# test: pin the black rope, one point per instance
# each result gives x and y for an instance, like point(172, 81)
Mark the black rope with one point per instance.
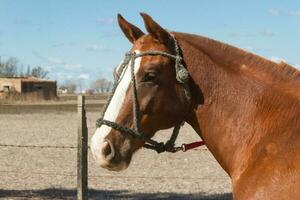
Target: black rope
point(136, 106)
point(182, 77)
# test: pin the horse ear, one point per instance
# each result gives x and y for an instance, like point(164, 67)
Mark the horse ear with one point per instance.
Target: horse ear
point(131, 32)
point(156, 30)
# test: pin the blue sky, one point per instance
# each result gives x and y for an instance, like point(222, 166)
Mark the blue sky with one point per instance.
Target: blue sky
point(81, 39)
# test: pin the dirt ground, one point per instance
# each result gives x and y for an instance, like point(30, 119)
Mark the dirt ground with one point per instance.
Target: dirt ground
point(43, 173)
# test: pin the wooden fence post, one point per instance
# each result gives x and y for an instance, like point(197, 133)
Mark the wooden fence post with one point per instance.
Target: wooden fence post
point(82, 154)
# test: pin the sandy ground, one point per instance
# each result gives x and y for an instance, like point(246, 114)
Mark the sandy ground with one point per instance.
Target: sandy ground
point(37, 173)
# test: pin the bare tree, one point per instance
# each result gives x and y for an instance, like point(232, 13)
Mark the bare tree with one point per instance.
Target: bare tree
point(9, 68)
point(70, 87)
point(80, 84)
point(21, 71)
point(109, 86)
point(39, 72)
point(28, 71)
point(101, 85)
point(96, 85)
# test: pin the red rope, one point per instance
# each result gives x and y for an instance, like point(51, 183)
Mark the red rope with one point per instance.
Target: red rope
point(186, 147)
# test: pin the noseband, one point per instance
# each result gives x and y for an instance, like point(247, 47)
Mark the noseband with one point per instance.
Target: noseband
point(182, 77)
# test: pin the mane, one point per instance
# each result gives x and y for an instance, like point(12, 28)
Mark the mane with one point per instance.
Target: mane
point(234, 57)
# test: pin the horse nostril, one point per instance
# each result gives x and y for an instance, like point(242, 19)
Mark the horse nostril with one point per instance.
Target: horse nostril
point(107, 150)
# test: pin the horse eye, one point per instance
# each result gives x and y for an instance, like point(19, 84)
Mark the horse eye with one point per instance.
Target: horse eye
point(150, 77)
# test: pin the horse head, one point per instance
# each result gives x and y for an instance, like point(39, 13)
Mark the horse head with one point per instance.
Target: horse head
point(161, 98)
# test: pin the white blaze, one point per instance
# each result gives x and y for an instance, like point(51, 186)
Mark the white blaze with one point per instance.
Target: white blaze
point(113, 108)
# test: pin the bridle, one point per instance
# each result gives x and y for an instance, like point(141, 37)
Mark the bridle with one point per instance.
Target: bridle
point(182, 77)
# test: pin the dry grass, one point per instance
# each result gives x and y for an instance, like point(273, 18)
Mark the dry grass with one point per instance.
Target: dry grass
point(32, 97)
point(14, 98)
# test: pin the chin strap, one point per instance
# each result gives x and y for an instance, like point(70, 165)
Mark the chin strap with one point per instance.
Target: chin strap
point(169, 146)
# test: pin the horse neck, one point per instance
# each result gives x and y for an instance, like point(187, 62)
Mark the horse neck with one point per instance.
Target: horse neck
point(222, 104)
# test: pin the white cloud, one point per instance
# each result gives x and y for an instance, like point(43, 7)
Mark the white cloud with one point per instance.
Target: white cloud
point(67, 66)
point(276, 12)
point(94, 47)
point(48, 68)
point(62, 44)
point(295, 13)
point(261, 33)
point(83, 76)
point(297, 66)
point(107, 21)
point(273, 12)
point(20, 20)
point(58, 45)
point(277, 59)
point(239, 35)
point(98, 47)
point(69, 77)
point(55, 61)
point(109, 34)
point(72, 66)
point(267, 33)
point(62, 76)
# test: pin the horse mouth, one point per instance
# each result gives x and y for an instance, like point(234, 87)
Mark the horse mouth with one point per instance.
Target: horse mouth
point(109, 157)
point(113, 167)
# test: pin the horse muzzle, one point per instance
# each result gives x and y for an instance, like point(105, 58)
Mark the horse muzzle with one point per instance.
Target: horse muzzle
point(107, 156)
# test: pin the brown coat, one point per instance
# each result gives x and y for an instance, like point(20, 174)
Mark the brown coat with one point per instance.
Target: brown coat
point(245, 108)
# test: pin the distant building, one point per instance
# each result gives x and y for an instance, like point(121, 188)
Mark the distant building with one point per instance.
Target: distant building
point(29, 86)
point(62, 91)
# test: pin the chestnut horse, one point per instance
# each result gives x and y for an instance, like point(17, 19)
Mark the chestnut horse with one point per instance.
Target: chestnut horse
point(245, 108)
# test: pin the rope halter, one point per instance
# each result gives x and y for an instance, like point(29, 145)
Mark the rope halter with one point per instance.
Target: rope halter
point(182, 76)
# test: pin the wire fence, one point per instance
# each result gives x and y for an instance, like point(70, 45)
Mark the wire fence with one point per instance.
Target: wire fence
point(82, 148)
point(68, 174)
point(82, 154)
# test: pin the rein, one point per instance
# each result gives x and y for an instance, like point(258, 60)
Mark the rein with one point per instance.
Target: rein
point(182, 76)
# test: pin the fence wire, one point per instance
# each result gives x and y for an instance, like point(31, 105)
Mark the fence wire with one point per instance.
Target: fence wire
point(68, 174)
point(63, 147)
point(39, 146)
